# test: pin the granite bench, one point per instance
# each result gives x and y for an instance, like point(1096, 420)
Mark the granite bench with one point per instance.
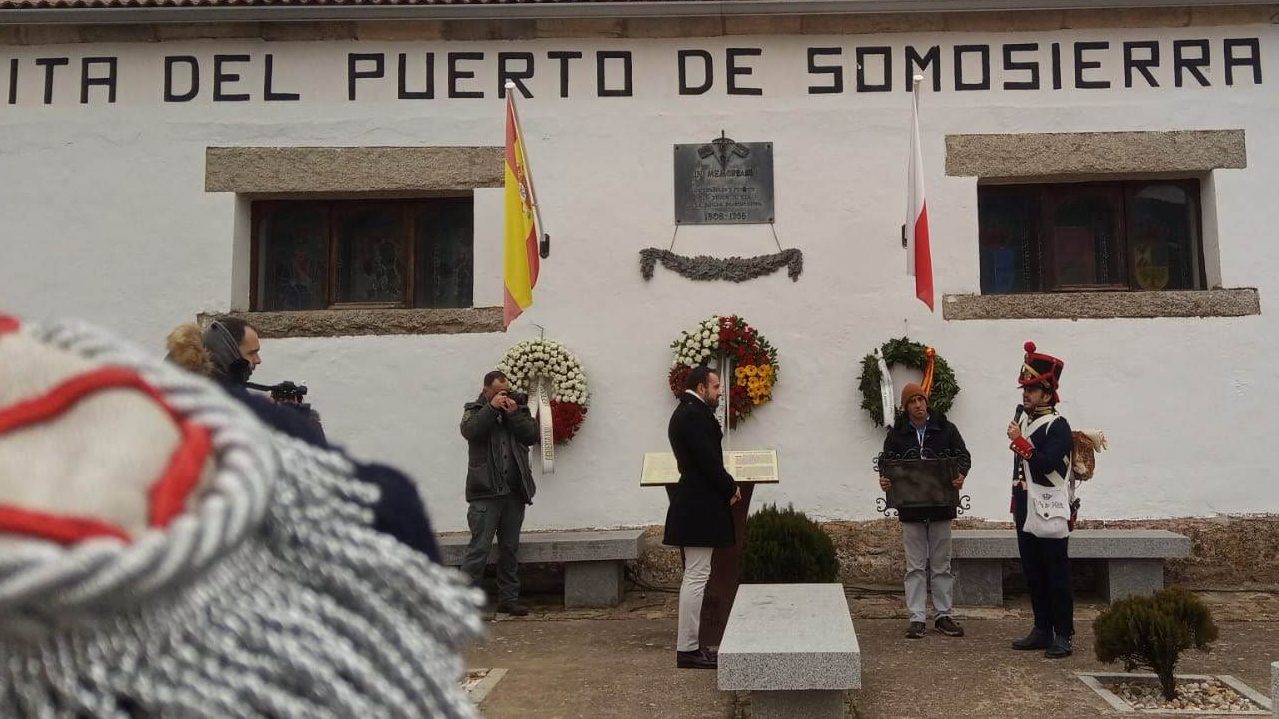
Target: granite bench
point(594, 560)
point(793, 647)
point(1134, 560)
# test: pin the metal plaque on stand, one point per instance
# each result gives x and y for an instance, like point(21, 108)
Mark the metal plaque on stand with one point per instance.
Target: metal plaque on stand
point(917, 482)
point(724, 182)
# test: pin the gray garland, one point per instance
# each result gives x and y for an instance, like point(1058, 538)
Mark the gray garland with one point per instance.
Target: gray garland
point(734, 269)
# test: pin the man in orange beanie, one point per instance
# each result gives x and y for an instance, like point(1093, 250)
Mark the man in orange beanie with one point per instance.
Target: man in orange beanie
point(920, 433)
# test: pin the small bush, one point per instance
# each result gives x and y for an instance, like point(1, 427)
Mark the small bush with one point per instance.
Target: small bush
point(1152, 632)
point(785, 546)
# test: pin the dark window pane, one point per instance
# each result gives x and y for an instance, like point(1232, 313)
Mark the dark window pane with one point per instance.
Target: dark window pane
point(370, 254)
point(444, 271)
point(293, 256)
point(1163, 236)
point(1007, 218)
point(1082, 241)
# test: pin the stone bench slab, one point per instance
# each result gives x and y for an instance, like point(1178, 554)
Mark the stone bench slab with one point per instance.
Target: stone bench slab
point(790, 637)
point(556, 547)
point(594, 561)
point(1084, 544)
point(1134, 560)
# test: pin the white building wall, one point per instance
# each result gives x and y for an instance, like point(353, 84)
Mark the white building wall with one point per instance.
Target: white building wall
point(105, 217)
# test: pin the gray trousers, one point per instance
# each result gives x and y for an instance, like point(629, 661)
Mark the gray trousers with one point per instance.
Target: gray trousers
point(499, 517)
point(928, 562)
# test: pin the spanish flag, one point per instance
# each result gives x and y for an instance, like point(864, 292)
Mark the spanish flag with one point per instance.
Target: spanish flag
point(523, 228)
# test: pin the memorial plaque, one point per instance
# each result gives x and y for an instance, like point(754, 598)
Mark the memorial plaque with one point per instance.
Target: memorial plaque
point(724, 182)
point(920, 483)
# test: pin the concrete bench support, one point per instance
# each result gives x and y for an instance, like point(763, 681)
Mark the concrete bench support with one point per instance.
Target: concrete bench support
point(594, 561)
point(593, 584)
point(982, 582)
point(793, 647)
point(1133, 560)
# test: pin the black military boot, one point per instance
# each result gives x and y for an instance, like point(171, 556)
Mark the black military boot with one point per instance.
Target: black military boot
point(1060, 648)
point(1037, 639)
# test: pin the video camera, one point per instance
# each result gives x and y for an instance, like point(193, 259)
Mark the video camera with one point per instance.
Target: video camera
point(283, 393)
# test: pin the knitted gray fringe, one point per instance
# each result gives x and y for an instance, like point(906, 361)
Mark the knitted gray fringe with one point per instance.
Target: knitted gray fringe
point(313, 615)
point(319, 616)
point(733, 269)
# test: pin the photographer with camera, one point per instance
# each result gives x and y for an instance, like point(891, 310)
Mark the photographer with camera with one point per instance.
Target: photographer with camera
point(499, 429)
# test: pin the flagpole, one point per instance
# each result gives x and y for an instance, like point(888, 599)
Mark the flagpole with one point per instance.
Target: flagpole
point(528, 175)
point(914, 138)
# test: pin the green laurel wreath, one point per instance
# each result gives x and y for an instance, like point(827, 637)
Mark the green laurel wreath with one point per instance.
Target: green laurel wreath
point(902, 351)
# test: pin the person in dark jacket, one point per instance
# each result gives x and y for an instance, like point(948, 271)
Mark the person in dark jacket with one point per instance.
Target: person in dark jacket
point(1041, 439)
point(926, 531)
point(499, 484)
point(399, 511)
point(699, 518)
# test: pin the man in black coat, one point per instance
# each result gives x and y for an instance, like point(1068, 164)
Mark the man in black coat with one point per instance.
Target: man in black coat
point(699, 518)
point(926, 530)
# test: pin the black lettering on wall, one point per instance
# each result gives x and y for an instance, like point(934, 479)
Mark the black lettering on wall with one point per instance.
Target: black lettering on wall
point(1141, 64)
point(49, 64)
point(1011, 65)
point(983, 82)
point(456, 73)
point(601, 73)
point(734, 70)
point(1252, 60)
point(1081, 65)
point(354, 73)
point(221, 77)
point(87, 81)
point(170, 63)
point(1180, 61)
point(1056, 64)
point(564, 56)
point(708, 72)
point(932, 59)
point(403, 91)
point(887, 81)
point(268, 84)
point(13, 81)
point(517, 77)
point(835, 71)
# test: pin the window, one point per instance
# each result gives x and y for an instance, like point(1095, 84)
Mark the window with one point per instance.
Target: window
point(1142, 235)
point(311, 255)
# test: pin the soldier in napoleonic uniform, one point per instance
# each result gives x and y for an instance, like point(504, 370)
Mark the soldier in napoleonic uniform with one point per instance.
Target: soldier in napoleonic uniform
point(1042, 503)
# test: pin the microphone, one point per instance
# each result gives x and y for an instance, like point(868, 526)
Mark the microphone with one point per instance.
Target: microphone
point(1017, 413)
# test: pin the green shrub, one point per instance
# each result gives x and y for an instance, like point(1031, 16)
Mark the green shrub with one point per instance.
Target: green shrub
point(1152, 632)
point(786, 546)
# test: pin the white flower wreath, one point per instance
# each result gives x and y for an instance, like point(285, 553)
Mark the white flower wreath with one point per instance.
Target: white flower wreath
point(546, 358)
point(528, 360)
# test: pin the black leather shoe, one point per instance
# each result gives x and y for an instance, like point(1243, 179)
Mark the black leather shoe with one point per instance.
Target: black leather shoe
point(1060, 648)
point(916, 630)
point(515, 609)
point(949, 627)
point(699, 659)
point(1037, 639)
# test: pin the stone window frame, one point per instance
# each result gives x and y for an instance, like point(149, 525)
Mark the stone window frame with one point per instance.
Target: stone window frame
point(1090, 156)
point(338, 173)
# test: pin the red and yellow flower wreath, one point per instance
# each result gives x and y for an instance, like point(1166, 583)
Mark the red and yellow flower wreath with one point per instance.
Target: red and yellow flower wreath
point(752, 358)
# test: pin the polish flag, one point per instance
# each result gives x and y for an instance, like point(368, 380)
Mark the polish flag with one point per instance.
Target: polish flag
point(919, 259)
